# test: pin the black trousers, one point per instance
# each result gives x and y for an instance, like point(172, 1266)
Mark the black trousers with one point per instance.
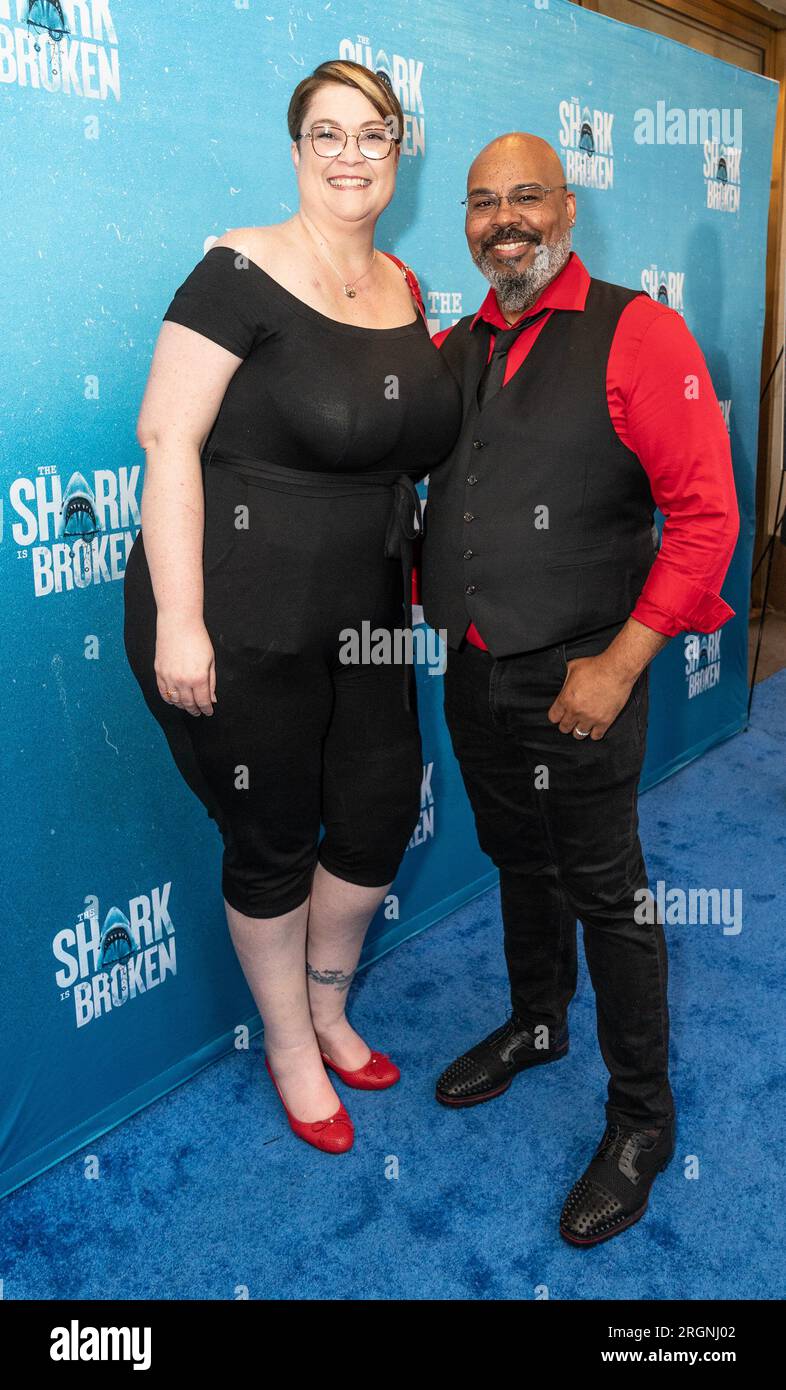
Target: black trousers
point(558, 817)
point(298, 740)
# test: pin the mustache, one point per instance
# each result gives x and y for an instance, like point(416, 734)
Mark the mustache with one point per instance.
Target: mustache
point(503, 237)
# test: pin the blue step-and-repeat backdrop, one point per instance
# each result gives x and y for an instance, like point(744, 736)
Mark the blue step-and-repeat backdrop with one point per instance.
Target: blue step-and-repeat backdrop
point(129, 140)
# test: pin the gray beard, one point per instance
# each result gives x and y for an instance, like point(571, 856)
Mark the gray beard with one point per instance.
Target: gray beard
point(517, 289)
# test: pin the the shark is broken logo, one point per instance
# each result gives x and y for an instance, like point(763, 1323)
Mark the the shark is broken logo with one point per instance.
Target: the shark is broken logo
point(702, 661)
point(588, 145)
point(66, 46)
point(721, 170)
point(73, 532)
point(424, 830)
point(101, 968)
point(667, 286)
point(404, 76)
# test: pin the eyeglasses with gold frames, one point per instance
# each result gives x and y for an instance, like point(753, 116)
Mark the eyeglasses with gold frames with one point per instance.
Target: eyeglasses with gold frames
point(374, 142)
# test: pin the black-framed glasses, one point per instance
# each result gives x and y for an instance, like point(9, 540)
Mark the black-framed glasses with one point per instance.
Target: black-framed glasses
point(374, 142)
point(527, 195)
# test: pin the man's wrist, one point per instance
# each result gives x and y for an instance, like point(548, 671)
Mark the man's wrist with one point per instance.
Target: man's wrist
point(632, 650)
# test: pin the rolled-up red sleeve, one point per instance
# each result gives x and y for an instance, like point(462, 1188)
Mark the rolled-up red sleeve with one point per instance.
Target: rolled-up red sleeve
point(663, 406)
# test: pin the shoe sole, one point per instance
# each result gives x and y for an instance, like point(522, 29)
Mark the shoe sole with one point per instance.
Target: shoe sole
point(500, 1091)
point(623, 1226)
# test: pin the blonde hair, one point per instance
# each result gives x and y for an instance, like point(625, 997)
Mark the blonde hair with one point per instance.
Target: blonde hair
point(377, 89)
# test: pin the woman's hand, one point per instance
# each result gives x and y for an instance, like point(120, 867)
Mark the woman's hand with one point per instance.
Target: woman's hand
point(185, 664)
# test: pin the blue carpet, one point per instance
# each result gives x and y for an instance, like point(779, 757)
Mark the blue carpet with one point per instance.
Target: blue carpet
point(206, 1193)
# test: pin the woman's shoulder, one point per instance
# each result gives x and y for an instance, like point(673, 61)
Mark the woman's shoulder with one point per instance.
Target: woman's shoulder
point(261, 245)
point(223, 297)
point(411, 279)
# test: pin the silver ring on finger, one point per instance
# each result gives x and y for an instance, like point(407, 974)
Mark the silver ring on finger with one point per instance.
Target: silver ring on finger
point(580, 732)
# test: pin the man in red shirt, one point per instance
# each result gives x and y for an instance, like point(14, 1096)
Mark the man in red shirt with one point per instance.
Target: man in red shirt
point(586, 404)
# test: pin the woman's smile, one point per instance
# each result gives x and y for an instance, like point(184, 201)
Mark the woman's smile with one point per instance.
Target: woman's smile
point(348, 181)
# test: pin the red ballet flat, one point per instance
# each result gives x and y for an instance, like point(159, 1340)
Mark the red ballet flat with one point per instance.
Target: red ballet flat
point(377, 1074)
point(334, 1135)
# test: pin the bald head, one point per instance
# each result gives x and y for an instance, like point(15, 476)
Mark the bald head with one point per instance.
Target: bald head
point(536, 160)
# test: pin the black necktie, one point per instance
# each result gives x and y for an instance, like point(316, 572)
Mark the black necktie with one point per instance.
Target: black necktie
point(494, 372)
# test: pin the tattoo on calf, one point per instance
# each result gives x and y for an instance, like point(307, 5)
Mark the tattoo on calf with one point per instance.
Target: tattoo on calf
point(339, 978)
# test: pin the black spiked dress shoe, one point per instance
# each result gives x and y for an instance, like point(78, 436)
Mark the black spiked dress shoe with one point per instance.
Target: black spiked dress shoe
point(614, 1190)
point(489, 1067)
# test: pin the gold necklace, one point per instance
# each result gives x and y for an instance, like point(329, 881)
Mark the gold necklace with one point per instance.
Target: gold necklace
point(349, 288)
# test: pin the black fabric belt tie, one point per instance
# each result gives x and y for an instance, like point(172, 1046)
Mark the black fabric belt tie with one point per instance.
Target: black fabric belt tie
point(405, 524)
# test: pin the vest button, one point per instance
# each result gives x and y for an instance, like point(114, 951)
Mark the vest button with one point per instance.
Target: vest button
point(469, 516)
point(468, 554)
point(472, 478)
point(470, 589)
point(478, 443)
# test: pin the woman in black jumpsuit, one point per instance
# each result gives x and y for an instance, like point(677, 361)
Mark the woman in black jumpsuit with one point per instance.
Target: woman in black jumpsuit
point(308, 478)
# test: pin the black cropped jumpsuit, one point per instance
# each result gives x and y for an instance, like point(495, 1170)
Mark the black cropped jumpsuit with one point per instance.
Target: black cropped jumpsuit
point(297, 552)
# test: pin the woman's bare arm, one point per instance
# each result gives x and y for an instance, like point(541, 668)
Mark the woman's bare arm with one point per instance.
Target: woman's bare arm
point(189, 375)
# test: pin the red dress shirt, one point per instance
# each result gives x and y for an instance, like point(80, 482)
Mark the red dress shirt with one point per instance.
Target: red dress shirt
point(663, 406)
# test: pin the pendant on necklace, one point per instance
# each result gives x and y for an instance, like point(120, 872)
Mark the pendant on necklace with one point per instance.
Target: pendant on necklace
point(350, 291)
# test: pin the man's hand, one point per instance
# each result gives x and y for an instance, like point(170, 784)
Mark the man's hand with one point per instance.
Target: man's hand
point(596, 688)
point(591, 698)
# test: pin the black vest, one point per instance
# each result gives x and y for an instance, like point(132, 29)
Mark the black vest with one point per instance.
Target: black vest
point(539, 524)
